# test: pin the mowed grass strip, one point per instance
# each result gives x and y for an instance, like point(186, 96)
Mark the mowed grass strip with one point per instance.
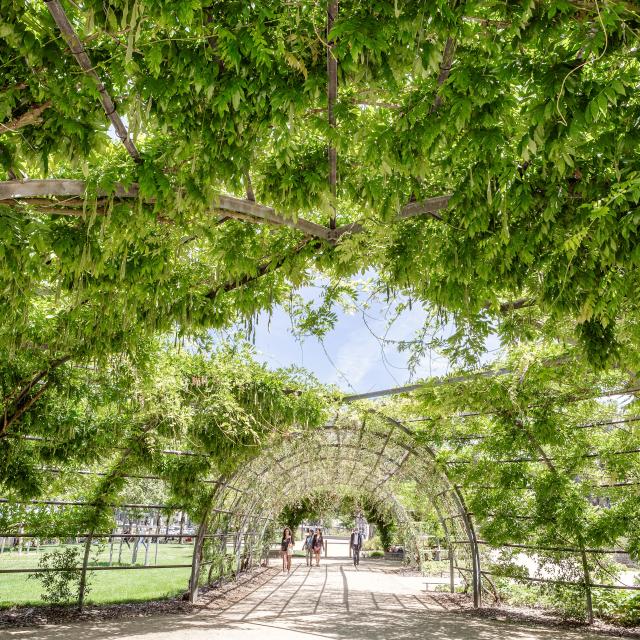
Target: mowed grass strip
point(107, 587)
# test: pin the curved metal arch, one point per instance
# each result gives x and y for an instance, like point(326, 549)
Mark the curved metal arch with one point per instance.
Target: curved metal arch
point(401, 514)
point(316, 458)
point(433, 466)
point(434, 469)
point(409, 475)
point(271, 508)
point(288, 493)
point(372, 452)
point(307, 460)
point(310, 457)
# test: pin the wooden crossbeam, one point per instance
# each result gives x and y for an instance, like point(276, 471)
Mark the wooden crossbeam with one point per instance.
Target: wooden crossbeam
point(77, 49)
point(33, 191)
point(61, 188)
point(429, 206)
point(32, 116)
point(231, 206)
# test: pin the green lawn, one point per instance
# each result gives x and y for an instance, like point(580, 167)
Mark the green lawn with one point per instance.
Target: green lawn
point(106, 586)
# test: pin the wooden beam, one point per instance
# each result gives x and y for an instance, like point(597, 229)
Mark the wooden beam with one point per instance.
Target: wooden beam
point(231, 205)
point(32, 116)
point(60, 188)
point(429, 206)
point(28, 190)
point(77, 49)
point(332, 94)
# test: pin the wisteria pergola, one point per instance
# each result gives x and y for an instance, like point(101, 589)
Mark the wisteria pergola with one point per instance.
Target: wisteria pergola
point(371, 450)
point(180, 166)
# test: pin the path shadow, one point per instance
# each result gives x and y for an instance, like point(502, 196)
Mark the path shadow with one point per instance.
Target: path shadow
point(308, 603)
point(340, 625)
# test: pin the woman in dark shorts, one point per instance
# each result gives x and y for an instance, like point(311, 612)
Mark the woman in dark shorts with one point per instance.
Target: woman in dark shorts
point(286, 546)
point(317, 545)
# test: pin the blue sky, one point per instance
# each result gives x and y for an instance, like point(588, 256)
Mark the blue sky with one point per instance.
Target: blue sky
point(350, 356)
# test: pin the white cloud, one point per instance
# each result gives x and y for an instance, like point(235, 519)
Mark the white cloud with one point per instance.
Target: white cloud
point(356, 357)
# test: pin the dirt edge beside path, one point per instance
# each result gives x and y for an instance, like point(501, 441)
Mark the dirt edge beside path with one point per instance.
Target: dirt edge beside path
point(229, 591)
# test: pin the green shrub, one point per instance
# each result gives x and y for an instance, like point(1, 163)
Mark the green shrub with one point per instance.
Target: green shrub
point(434, 567)
point(628, 612)
point(372, 543)
point(618, 606)
point(376, 554)
point(59, 576)
point(519, 594)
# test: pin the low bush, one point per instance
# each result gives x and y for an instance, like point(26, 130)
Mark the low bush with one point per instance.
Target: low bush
point(618, 606)
point(372, 543)
point(59, 576)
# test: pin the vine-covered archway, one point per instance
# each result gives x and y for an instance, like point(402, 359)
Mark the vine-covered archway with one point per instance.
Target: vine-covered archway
point(174, 168)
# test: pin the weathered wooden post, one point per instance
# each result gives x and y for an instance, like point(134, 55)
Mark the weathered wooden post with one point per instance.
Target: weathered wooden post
point(146, 542)
point(238, 545)
point(181, 527)
point(452, 579)
point(120, 547)
point(197, 559)
point(111, 545)
point(587, 583)
point(82, 587)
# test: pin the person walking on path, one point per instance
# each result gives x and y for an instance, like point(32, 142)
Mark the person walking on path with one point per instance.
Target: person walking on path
point(286, 546)
point(317, 545)
point(355, 543)
point(307, 547)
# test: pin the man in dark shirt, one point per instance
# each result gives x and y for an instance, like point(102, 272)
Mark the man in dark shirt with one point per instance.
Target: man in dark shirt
point(355, 542)
point(308, 547)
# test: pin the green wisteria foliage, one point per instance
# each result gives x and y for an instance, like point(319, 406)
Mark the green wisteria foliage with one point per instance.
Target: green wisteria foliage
point(117, 420)
point(547, 458)
point(526, 113)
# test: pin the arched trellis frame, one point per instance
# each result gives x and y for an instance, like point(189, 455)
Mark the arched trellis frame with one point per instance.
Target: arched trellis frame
point(365, 448)
point(284, 472)
point(457, 40)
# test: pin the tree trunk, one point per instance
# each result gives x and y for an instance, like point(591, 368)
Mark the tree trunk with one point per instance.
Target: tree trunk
point(83, 575)
point(181, 526)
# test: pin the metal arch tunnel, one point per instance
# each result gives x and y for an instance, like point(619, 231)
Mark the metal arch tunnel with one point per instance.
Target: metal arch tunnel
point(366, 454)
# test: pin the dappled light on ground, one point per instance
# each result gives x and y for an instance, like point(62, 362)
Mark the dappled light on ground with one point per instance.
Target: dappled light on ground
point(331, 601)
